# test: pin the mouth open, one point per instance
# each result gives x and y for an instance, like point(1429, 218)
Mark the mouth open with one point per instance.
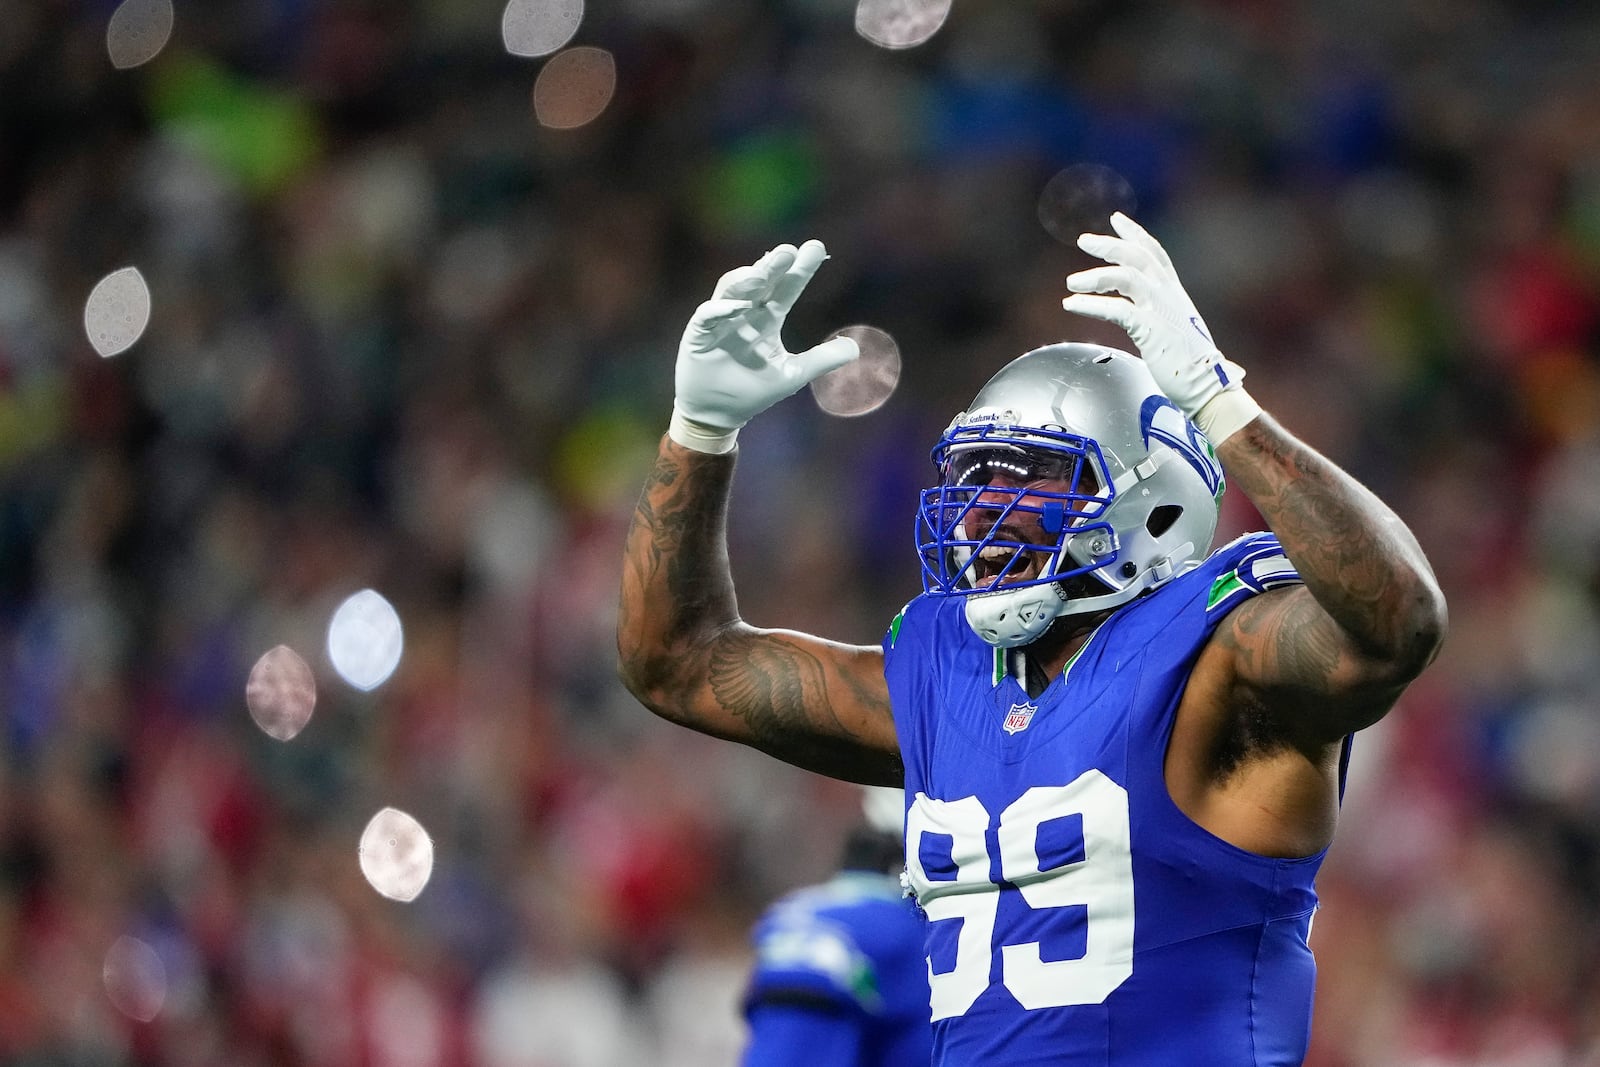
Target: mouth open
point(999, 565)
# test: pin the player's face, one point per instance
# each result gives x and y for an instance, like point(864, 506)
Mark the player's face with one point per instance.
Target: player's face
point(1010, 505)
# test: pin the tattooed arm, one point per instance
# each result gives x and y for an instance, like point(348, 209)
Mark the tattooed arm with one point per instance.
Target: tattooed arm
point(1315, 662)
point(1330, 657)
point(684, 651)
point(688, 657)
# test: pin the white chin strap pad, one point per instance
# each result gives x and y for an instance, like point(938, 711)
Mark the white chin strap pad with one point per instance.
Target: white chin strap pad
point(1010, 618)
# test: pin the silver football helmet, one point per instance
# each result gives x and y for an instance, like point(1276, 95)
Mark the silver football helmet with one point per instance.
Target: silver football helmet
point(1070, 485)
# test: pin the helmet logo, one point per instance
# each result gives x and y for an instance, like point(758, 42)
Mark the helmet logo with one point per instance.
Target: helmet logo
point(1018, 718)
point(1182, 436)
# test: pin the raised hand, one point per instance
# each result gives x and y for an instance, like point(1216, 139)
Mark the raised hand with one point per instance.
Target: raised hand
point(1162, 321)
point(732, 363)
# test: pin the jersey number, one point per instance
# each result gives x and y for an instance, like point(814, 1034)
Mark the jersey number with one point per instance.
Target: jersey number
point(1101, 882)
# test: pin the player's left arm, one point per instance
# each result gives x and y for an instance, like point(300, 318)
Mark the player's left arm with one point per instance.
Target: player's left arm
point(1333, 654)
point(1328, 657)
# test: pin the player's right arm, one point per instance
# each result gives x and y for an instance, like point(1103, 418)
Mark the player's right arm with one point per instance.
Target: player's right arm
point(683, 649)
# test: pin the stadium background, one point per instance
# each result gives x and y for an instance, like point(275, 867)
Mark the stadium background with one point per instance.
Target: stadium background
point(407, 336)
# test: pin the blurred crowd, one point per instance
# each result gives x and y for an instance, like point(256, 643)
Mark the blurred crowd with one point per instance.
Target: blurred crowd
point(405, 337)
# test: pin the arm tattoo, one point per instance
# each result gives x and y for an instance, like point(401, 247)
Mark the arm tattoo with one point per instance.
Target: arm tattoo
point(780, 691)
point(765, 685)
point(687, 655)
point(1360, 563)
point(1279, 636)
point(676, 584)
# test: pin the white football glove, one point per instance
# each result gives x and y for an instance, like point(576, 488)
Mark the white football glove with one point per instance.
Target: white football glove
point(732, 364)
point(1162, 321)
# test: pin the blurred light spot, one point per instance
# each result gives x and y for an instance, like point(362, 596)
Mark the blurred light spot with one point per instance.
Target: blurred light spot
point(863, 385)
point(117, 311)
point(135, 980)
point(574, 88)
point(396, 854)
point(539, 27)
point(138, 31)
point(281, 693)
point(1081, 199)
point(900, 23)
point(365, 640)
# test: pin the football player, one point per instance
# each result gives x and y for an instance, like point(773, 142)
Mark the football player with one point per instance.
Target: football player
point(1122, 752)
point(839, 979)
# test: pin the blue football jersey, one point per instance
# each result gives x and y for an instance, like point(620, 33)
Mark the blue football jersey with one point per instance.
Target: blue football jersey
point(1075, 915)
point(851, 946)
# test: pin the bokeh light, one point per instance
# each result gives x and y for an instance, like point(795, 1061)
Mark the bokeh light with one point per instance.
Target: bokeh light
point(365, 640)
point(135, 979)
point(866, 383)
point(574, 88)
point(1081, 199)
point(117, 311)
point(539, 27)
point(281, 693)
point(396, 855)
point(138, 31)
point(900, 23)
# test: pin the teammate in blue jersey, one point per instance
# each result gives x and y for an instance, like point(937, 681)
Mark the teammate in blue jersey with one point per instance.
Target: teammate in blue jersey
point(839, 979)
point(1122, 752)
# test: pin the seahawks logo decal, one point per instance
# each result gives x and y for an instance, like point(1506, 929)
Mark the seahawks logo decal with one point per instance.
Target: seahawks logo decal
point(1183, 437)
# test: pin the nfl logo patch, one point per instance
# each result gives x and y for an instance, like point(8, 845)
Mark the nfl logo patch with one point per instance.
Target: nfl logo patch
point(1018, 718)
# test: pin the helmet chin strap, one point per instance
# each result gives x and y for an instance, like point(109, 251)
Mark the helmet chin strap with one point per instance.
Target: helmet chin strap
point(1011, 618)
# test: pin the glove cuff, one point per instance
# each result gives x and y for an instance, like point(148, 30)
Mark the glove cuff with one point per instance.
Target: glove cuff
point(1226, 414)
point(699, 437)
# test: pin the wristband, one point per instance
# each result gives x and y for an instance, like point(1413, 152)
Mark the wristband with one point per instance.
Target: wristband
point(1226, 414)
point(698, 437)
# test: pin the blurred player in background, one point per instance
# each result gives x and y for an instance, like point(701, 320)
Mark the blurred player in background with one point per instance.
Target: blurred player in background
point(1123, 754)
point(839, 979)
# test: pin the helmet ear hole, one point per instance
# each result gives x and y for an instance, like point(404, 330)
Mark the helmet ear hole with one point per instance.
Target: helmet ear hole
point(1161, 519)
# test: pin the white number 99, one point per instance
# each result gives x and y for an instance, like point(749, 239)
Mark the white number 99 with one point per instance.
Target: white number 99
point(1101, 882)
